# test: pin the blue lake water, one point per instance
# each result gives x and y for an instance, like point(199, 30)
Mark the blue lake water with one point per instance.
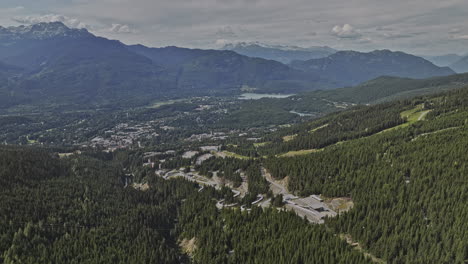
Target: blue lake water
point(256, 96)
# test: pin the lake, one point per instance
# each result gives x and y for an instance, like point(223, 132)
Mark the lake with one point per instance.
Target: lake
point(256, 96)
point(300, 114)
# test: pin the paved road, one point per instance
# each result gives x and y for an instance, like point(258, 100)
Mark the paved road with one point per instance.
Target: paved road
point(277, 188)
point(311, 215)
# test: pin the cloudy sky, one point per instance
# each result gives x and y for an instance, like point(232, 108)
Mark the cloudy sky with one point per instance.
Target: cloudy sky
point(416, 26)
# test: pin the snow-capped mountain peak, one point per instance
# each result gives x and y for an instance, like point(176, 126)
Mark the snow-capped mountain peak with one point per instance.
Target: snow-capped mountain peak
point(42, 31)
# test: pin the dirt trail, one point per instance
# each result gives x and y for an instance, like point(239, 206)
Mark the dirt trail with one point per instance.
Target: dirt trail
point(357, 246)
point(423, 115)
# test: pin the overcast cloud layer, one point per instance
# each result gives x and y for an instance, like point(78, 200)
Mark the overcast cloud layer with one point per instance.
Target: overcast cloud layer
point(416, 26)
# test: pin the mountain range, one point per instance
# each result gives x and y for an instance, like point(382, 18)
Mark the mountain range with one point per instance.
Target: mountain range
point(317, 103)
point(458, 63)
point(73, 66)
point(352, 67)
point(461, 65)
point(284, 54)
point(49, 63)
point(444, 60)
point(387, 88)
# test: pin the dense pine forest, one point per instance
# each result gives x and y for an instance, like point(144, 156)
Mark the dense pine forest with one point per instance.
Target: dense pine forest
point(402, 163)
point(78, 210)
point(409, 184)
point(258, 236)
point(267, 139)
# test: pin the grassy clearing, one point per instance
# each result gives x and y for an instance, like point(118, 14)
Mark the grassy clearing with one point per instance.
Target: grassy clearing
point(412, 116)
point(317, 128)
point(299, 152)
point(159, 104)
point(415, 114)
point(64, 155)
point(31, 141)
point(261, 144)
point(234, 155)
point(289, 138)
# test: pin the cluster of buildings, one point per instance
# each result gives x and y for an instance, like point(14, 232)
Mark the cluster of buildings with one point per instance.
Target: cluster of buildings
point(208, 136)
point(123, 136)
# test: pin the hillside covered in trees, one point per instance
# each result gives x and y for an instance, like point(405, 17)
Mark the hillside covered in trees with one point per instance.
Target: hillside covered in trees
point(404, 166)
point(78, 209)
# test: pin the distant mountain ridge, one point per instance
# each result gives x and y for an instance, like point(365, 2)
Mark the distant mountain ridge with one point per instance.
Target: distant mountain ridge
point(284, 54)
point(41, 31)
point(352, 67)
point(51, 64)
point(215, 68)
point(443, 60)
point(317, 103)
point(388, 88)
point(73, 66)
point(461, 65)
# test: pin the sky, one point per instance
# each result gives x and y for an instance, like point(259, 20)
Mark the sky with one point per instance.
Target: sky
point(425, 27)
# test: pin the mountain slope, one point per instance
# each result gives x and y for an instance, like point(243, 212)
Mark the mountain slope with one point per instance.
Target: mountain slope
point(443, 60)
point(8, 71)
point(32, 46)
point(461, 65)
point(70, 66)
point(402, 164)
point(63, 66)
point(208, 69)
point(282, 54)
point(387, 88)
point(8, 74)
point(317, 103)
point(351, 68)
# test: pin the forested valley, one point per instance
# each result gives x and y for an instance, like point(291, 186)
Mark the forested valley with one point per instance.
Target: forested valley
point(403, 165)
point(77, 209)
point(228, 151)
point(409, 184)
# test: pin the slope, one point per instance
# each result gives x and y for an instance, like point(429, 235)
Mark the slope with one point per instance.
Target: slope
point(388, 88)
point(408, 184)
point(64, 67)
point(460, 65)
point(443, 60)
point(210, 69)
point(351, 67)
point(284, 54)
point(317, 103)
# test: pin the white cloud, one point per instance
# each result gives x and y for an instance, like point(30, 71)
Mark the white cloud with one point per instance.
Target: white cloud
point(16, 9)
point(381, 28)
point(68, 21)
point(221, 42)
point(12, 9)
point(460, 37)
point(397, 35)
point(195, 23)
point(121, 29)
point(346, 31)
point(226, 32)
